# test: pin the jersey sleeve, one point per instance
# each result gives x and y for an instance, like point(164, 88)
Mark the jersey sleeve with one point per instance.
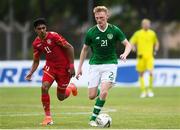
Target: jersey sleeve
point(155, 38)
point(87, 39)
point(133, 39)
point(58, 38)
point(36, 52)
point(120, 35)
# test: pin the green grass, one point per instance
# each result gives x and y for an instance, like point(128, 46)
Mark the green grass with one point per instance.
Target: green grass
point(21, 108)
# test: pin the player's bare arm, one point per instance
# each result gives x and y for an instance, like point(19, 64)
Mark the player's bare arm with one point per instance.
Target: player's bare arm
point(35, 65)
point(83, 55)
point(70, 53)
point(127, 50)
point(157, 46)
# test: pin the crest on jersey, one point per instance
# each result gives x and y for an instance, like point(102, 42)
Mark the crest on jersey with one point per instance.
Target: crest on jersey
point(110, 36)
point(97, 38)
point(48, 41)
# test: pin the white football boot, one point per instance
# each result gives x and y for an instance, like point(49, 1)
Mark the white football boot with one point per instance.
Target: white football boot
point(143, 95)
point(150, 93)
point(93, 123)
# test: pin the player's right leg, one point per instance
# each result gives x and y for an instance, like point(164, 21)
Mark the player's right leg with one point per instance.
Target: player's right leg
point(142, 85)
point(45, 98)
point(93, 91)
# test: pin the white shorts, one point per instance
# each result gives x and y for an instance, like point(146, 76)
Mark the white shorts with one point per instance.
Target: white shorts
point(101, 73)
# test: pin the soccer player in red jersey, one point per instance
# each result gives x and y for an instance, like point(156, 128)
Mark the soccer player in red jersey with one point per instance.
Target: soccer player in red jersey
point(59, 65)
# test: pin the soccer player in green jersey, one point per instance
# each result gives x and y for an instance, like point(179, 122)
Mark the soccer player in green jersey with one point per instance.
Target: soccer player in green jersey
point(102, 39)
point(145, 42)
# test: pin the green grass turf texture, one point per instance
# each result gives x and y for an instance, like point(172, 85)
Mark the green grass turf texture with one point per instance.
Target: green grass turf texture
point(20, 108)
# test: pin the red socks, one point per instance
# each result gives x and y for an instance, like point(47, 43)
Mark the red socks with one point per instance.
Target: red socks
point(45, 99)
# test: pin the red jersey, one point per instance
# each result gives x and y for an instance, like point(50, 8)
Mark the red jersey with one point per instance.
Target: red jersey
point(55, 54)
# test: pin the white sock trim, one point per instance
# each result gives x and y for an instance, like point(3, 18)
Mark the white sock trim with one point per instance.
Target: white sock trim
point(97, 107)
point(95, 115)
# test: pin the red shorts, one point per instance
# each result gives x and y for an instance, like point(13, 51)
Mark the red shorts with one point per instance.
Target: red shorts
point(60, 75)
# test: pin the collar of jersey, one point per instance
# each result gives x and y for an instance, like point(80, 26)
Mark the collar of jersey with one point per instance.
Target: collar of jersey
point(104, 29)
point(47, 33)
point(145, 30)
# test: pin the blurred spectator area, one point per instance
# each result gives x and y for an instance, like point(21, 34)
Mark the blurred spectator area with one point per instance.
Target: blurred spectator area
point(73, 18)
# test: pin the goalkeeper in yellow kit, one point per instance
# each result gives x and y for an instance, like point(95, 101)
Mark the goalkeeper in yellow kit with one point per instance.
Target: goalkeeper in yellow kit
point(146, 44)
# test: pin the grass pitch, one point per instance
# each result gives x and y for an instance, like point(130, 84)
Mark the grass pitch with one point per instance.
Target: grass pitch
point(20, 108)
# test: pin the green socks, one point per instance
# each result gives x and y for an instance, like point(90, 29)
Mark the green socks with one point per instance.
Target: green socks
point(97, 108)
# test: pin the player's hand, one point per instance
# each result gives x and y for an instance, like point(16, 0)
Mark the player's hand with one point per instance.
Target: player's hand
point(28, 77)
point(71, 70)
point(155, 53)
point(133, 48)
point(79, 73)
point(123, 57)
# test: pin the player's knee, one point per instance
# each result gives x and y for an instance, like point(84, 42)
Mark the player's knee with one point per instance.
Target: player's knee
point(103, 94)
point(151, 73)
point(45, 87)
point(60, 97)
point(92, 96)
point(141, 74)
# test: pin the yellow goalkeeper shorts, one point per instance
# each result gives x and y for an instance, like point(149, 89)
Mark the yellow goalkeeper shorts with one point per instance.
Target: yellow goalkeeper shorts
point(144, 63)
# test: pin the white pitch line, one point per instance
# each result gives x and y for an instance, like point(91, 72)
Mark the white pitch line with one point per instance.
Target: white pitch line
point(61, 113)
point(40, 106)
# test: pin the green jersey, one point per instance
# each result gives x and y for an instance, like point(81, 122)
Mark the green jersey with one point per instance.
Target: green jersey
point(103, 44)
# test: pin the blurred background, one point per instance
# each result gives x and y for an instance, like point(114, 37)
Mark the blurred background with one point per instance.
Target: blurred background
point(72, 19)
point(20, 108)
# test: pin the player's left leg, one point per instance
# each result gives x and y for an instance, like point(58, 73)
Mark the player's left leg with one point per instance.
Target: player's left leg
point(150, 67)
point(93, 91)
point(64, 88)
point(150, 92)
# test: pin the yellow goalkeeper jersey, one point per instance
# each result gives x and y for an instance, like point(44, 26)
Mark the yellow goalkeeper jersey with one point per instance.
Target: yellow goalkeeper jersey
point(144, 41)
